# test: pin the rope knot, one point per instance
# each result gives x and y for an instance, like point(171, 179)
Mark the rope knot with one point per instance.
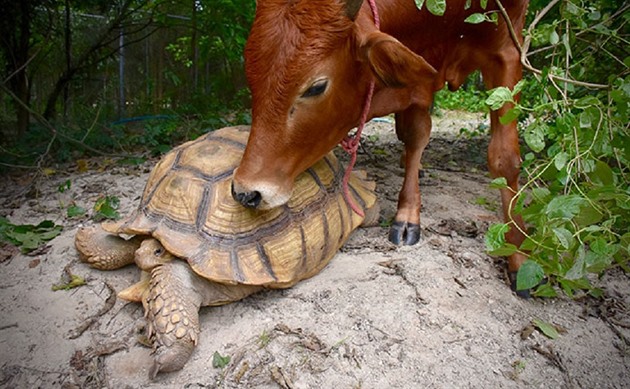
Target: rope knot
point(351, 143)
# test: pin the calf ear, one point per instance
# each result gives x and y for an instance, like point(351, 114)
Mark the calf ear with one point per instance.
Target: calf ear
point(352, 8)
point(393, 63)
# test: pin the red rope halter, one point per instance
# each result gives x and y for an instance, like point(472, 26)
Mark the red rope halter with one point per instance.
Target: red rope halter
point(351, 143)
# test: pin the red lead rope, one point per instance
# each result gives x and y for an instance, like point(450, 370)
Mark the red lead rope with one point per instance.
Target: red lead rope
point(351, 143)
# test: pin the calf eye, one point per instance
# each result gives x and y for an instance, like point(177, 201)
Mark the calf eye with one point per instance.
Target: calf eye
point(316, 89)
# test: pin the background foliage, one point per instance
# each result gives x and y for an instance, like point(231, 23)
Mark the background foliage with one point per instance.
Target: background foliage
point(111, 76)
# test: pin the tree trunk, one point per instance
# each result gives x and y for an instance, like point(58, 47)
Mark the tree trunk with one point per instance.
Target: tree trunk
point(68, 49)
point(194, 52)
point(50, 113)
point(22, 90)
point(15, 44)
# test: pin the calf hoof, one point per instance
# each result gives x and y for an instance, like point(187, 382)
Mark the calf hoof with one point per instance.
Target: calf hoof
point(403, 233)
point(524, 293)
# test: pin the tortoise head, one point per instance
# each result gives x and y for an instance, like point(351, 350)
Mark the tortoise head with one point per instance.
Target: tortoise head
point(151, 254)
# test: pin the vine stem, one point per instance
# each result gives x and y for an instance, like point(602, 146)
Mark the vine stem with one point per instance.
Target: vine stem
point(523, 48)
point(513, 203)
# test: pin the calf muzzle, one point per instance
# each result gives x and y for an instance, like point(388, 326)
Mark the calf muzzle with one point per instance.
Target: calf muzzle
point(247, 199)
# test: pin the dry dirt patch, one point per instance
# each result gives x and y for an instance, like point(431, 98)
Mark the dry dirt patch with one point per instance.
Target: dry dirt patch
point(435, 315)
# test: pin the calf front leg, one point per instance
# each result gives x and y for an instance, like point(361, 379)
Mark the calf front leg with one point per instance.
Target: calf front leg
point(504, 159)
point(413, 127)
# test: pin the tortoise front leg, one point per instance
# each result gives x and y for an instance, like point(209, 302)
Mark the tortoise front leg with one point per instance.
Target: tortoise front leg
point(105, 251)
point(172, 311)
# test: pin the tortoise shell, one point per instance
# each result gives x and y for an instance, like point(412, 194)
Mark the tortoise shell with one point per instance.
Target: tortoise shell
point(187, 205)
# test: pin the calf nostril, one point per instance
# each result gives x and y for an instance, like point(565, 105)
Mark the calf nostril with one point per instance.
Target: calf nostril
point(248, 199)
point(252, 199)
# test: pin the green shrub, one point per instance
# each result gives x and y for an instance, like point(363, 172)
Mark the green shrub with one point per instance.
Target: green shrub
point(576, 196)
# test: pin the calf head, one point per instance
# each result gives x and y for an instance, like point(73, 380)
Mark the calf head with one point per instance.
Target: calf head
point(309, 65)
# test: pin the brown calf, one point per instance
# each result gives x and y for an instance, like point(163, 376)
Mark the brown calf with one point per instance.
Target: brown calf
point(309, 64)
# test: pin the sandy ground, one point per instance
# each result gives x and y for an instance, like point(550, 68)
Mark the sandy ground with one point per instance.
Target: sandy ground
point(434, 315)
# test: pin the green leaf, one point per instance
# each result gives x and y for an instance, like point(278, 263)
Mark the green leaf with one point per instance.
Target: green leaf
point(436, 7)
point(499, 183)
point(596, 292)
point(594, 15)
point(565, 237)
point(567, 44)
point(483, 3)
point(570, 286)
point(529, 275)
point(506, 250)
point(572, 8)
point(75, 210)
point(554, 38)
point(64, 187)
point(75, 281)
point(545, 290)
point(602, 174)
point(419, 3)
point(27, 236)
point(535, 136)
point(588, 215)
point(600, 255)
point(541, 194)
point(624, 242)
point(586, 102)
point(547, 329)
point(528, 245)
point(519, 206)
point(518, 87)
point(564, 207)
point(475, 18)
point(219, 361)
point(511, 115)
point(578, 269)
point(498, 97)
point(106, 208)
point(495, 237)
point(560, 160)
point(585, 120)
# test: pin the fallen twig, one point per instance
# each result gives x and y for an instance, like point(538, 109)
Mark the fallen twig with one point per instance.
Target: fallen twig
point(109, 304)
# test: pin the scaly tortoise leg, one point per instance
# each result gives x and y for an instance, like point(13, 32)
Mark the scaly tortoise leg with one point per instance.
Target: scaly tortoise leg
point(172, 305)
point(105, 251)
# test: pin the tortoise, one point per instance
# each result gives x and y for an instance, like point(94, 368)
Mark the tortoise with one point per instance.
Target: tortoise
point(198, 247)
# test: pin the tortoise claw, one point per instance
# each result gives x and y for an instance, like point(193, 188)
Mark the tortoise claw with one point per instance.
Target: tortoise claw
point(404, 233)
point(170, 359)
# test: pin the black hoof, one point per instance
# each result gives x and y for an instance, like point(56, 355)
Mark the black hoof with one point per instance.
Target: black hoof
point(403, 233)
point(525, 293)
